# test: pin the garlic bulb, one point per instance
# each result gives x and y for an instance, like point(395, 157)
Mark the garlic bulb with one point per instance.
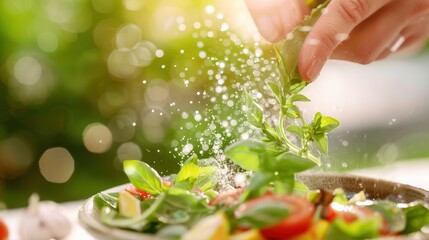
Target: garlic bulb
point(43, 221)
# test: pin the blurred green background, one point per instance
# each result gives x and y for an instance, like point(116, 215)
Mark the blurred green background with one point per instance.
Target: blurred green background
point(86, 84)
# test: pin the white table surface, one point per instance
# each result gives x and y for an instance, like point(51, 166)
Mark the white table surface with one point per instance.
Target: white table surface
point(412, 172)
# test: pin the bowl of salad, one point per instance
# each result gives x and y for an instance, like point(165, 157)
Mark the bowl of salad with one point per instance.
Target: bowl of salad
point(293, 204)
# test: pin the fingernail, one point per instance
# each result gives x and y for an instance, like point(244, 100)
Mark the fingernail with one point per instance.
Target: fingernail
point(267, 28)
point(314, 70)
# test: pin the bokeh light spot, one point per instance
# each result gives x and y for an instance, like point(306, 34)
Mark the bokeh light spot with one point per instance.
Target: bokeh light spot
point(56, 165)
point(119, 64)
point(16, 155)
point(158, 91)
point(134, 5)
point(128, 36)
point(27, 70)
point(129, 151)
point(47, 41)
point(97, 138)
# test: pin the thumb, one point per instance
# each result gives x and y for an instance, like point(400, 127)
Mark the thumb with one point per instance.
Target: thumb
point(339, 19)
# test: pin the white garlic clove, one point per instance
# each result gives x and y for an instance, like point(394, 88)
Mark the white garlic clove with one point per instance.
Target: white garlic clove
point(31, 228)
point(54, 220)
point(44, 220)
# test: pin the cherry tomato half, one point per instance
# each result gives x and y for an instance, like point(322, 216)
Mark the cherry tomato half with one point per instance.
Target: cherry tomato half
point(141, 193)
point(3, 230)
point(298, 221)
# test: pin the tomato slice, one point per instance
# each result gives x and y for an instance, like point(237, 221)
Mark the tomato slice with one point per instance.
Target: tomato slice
point(141, 193)
point(298, 221)
point(137, 192)
point(3, 230)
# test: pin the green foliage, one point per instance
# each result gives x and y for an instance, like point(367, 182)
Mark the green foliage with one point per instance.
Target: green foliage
point(287, 93)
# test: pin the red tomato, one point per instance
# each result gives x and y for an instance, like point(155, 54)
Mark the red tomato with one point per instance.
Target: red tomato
point(141, 193)
point(137, 192)
point(298, 221)
point(3, 230)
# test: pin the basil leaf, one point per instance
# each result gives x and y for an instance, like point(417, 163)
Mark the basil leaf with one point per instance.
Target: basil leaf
point(143, 177)
point(263, 214)
point(207, 178)
point(299, 98)
point(275, 89)
point(359, 229)
point(321, 142)
point(417, 216)
point(258, 185)
point(297, 130)
point(394, 216)
point(328, 123)
point(106, 200)
point(247, 154)
point(288, 164)
point(255, 114)
point(293, 43)
point(189, 172)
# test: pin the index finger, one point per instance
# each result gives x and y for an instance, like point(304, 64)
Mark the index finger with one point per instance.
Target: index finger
point(339, 19)
point(275, 18)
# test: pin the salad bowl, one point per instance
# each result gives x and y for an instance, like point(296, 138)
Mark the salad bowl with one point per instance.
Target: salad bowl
point(375, 189)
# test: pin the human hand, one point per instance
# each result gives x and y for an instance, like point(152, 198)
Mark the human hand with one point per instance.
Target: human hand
point(360, 31)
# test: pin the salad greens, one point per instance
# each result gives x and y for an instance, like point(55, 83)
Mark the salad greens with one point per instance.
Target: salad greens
point(174, 204)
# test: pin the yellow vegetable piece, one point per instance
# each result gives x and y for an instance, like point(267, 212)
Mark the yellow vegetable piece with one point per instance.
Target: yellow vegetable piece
point(252, 234)
point(129, 206)
point(316, 232)
point(213, 227)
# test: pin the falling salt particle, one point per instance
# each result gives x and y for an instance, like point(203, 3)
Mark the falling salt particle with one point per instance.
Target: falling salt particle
point(159, 53)
point(344, 164)
point(345, 143)
point(340, 37)
point(240, 180)
point(185, 115)
point(246, 51)
point(221, 64)
point(200, 44)
point(258, 52)
point(197, 117)
point(210, 34)
point(144, 81)
point(289, 36)
point(230, 103)
point(205, 147)
point(187, 148)
point(219, 16)
point(182, 51)
point(162, 66)
point(245, 136)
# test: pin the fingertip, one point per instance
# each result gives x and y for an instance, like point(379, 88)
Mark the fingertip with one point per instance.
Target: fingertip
point(310, 65)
